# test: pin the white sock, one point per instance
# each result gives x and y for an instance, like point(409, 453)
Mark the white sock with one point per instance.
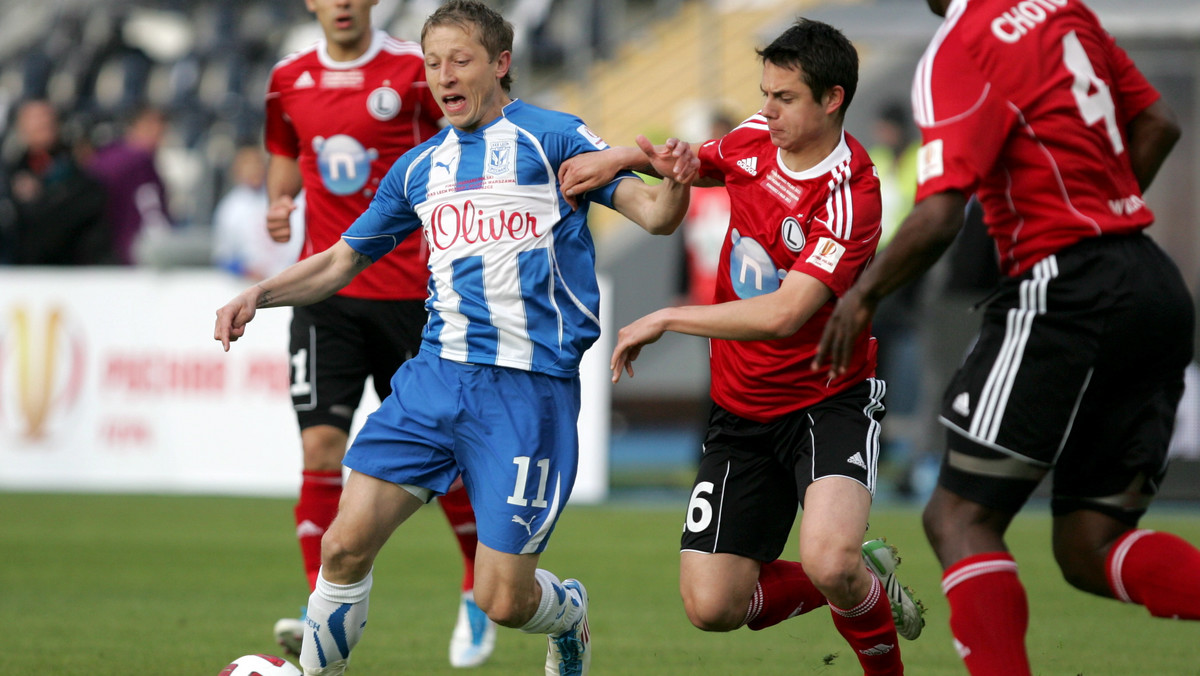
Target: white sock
point(334, 621)
point(556, 613)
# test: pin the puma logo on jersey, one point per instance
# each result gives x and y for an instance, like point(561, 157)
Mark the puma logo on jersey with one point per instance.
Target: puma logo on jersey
point(528, 524)
point(749, 165)
point(962, 404)
point(857, 459)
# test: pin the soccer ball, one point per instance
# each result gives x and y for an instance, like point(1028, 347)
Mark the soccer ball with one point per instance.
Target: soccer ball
point(260, 665)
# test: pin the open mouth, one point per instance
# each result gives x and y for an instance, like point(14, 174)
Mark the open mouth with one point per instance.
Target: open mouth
point(343, 22)
point(454, 102)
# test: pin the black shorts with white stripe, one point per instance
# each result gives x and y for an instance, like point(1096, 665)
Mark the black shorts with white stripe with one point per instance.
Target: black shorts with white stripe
point(1078, 368)
point(753, 475)
point(337, 343)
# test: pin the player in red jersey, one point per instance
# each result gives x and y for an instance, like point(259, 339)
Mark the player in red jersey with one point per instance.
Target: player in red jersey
point(339, 114)
point(804, 222)
point(1033, 108)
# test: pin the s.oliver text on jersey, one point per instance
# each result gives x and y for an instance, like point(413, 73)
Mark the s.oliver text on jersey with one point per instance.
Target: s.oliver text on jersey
point(452, 222)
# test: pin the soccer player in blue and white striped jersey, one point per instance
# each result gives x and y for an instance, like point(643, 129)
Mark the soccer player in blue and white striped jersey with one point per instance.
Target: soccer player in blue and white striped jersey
point(513, 303)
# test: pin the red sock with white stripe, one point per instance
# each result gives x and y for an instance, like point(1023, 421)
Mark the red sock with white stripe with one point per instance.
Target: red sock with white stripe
point(1158, 570)
point(461, 516)
point(783, 591)
point(871, 632)
point(989, 614)
point(318, 504)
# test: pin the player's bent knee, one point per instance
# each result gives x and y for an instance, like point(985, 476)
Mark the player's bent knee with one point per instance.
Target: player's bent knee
point(504, 609)
point(710, 613)
point(340, 558)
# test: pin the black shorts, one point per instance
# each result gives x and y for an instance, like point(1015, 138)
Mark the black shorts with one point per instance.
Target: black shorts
point(1078, 368)
point(753, 475)
point(337, 343)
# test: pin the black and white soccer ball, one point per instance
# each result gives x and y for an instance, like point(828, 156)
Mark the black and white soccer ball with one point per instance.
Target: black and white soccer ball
point(260, 665)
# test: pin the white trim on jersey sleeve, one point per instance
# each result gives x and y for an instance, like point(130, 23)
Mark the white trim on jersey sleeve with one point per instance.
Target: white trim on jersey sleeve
point(840, 204)
point(922, 93)
point(755, 121)
point(394, 45)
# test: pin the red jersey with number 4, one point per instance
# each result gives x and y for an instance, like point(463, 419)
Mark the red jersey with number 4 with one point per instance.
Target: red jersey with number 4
point(347, 123)
point(823, 222)
point(1026, 104)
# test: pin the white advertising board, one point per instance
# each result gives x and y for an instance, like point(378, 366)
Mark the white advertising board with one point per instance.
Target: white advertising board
point(110, 381)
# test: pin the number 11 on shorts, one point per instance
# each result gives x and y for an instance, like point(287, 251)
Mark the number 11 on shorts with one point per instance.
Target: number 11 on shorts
point(518, 496)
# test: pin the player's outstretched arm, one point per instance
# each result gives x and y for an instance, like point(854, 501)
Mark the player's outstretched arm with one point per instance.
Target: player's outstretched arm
point(1152, 135)
point(659, 209)
point(922, 238)
point(771, 316)
point(588, 171)
point(302, 283)
point(674, 159)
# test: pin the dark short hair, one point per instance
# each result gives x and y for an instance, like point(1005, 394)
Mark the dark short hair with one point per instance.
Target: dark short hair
point(822, 54)
point(493, 31)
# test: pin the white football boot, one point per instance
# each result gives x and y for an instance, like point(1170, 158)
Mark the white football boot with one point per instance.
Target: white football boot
point(474, 635)
point(570, 652)
point(907, 611)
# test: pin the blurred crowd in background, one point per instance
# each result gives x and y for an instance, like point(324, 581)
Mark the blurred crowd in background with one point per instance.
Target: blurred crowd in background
point(124, 123)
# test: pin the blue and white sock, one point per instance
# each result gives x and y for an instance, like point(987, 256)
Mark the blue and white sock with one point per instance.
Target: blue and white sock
point(334, 622)
point(558, 610)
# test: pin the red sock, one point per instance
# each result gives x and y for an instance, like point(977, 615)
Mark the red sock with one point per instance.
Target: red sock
point(318, 504)
point(783, 591)
point(871, 633)
point(461, 516)
point(989, 614)
point(1158, 570)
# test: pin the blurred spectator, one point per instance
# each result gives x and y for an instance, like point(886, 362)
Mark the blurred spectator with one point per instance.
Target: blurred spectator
point(897, 320)
point(241, 243)
point(51, 210)
point(137, 197)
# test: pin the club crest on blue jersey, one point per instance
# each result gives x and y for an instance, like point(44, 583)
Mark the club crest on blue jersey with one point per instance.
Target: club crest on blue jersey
point(384, 103)
point(751, 269)
point(500, 157)
point(345, 165)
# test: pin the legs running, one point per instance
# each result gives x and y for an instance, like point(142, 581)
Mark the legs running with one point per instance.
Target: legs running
point(988, 609)
point(320, 493)
point(370, 511)
point(474, 635)
point(722, 592)
point(1104, 556)
point(831, 532)
point(515, 593)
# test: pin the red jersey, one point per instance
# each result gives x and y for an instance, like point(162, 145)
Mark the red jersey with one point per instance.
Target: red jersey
point(1026, 105)
point(823, 222)
point(347, 123)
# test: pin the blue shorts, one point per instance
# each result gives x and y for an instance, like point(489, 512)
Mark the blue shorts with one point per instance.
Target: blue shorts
point(512, 434)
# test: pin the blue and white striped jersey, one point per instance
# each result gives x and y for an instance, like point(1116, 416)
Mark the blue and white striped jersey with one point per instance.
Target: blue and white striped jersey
point(512, 266)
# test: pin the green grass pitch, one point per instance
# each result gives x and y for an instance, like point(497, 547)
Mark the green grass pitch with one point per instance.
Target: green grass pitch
point(99, 585)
